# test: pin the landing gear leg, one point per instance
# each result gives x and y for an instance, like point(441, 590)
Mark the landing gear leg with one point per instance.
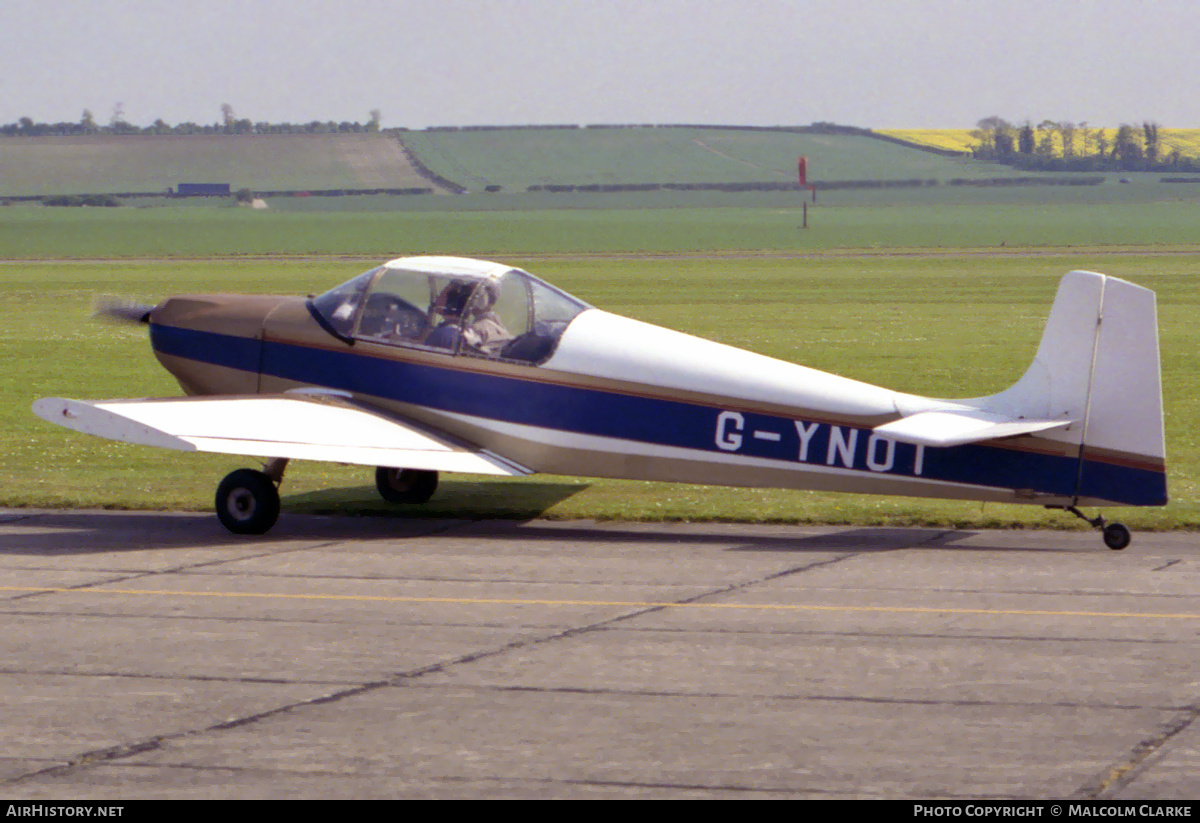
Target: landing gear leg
point(405, 485)
point(1116, 535)
point(247, 500)
point(275, 468)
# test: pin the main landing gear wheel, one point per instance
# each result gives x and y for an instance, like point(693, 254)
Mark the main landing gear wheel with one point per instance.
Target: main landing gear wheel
point(247, 502)
point(405, 485)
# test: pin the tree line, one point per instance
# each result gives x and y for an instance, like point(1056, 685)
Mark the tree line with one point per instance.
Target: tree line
point(1063, 146)
point(229, 123)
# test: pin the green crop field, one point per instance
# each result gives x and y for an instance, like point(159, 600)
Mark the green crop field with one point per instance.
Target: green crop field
point(519, 158)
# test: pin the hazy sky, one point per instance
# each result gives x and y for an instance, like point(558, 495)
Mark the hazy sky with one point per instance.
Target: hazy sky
point(873, 63)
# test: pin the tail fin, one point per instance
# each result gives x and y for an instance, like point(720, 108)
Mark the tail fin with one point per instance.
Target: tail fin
point(1098, 366)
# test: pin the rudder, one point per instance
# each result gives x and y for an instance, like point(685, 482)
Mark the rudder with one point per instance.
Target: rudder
point(1098, 365)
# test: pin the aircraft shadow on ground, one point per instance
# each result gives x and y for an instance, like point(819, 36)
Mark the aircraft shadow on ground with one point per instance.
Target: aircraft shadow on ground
point(358, 517)
point(458, 499)
point(361, 515)
point(80, 533)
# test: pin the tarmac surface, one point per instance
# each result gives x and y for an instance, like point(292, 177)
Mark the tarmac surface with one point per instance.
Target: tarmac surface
point(154, 655)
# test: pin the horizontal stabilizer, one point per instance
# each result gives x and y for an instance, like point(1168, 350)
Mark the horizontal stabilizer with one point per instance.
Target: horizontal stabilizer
point(957, 427)
point(291, 426)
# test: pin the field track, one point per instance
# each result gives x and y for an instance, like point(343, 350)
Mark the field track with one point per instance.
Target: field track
point(849, 254)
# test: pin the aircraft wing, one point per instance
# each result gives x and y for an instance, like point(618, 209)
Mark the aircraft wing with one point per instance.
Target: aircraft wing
point(957, 427)
point(303, 426)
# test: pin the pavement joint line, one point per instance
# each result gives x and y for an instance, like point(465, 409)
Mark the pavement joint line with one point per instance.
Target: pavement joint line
point(189, 678)
point(641, 784)
point(399, 679)
point(689, 603)
point(828, 698)
point(123, 750)
point(1121, 774)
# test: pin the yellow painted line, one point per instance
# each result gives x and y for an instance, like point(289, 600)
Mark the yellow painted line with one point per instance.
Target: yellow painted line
point(641, 604)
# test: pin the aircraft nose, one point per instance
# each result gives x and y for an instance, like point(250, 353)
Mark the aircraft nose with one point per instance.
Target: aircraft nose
point(211, 343)
point(229, 314)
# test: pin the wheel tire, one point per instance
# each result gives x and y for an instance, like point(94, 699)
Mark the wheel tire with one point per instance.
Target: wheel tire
point(1116, 536)
point(405, 485)
point(247, 502)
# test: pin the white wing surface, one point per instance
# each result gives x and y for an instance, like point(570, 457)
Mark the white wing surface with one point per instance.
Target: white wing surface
point(294, 426)
point(957, 427)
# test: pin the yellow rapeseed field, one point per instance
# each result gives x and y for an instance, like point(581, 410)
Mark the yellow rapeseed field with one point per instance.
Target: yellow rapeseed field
point(1186, 141)
point(952, 139)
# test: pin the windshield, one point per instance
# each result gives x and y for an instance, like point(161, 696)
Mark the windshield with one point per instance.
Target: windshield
point(507, 316)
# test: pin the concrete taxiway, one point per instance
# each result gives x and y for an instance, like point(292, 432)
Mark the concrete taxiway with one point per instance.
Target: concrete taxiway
point(153, 655)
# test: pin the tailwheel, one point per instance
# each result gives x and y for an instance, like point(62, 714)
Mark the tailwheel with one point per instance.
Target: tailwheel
point(405, 485)
point(1116, 535)
point(247, 502)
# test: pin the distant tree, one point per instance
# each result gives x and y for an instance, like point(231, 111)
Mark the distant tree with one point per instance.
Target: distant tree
point(1025, 139)
point(1066, 130)
point(376, 118)
point(1006, 146)
point(1046, 132)
point(996, 137)
point(1127, 148)
point(1150, 130)
point(87, 122)
point(121, 126)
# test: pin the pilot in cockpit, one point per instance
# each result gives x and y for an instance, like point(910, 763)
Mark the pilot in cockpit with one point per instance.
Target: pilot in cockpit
point(466, 309)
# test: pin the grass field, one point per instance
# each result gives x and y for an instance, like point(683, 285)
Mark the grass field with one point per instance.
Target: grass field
point(32, 232)
point(947, 325)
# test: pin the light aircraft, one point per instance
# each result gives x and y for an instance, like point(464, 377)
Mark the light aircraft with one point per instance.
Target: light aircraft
point(439, 364)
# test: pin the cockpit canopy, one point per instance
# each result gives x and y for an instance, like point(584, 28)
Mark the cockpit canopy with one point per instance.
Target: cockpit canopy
point(452, 305)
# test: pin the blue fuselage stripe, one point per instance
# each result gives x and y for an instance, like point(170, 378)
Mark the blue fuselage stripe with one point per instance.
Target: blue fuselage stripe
point(662, 421)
